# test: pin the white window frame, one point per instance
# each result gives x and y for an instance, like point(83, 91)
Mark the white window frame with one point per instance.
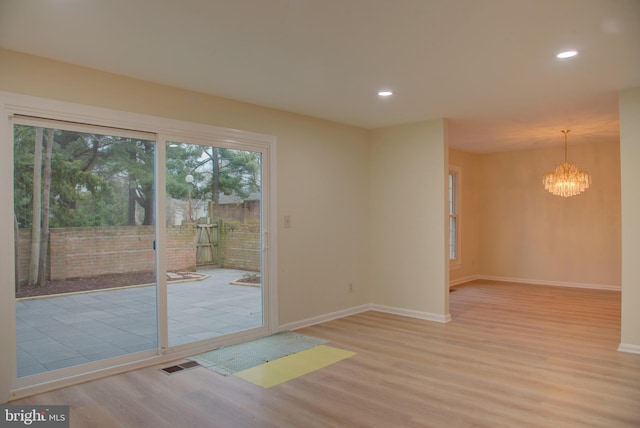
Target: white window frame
point(165, 129)
point(455, 212)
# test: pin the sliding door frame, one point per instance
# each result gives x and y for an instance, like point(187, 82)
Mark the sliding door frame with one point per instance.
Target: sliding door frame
point(164, 130)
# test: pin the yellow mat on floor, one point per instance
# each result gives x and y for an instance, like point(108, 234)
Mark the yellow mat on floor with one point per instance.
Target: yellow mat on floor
point(292, 366)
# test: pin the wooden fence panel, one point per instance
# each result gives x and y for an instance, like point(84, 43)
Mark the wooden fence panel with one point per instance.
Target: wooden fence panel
point(207, 244)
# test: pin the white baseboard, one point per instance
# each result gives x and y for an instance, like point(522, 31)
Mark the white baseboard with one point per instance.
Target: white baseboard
point(447, 318)
point(324, 318)
point(632, 349)
point(463, 280)
point(551, 283)
point(363, 308)
point(411, 313)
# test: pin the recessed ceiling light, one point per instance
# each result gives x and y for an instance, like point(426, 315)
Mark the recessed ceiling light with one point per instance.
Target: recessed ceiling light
point(385, 93)
point(567, 54)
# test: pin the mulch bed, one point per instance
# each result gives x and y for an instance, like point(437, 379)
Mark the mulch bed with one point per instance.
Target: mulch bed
point(249, 279)
point(73, 285)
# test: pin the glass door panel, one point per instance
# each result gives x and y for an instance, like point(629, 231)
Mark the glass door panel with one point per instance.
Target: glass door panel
point(84, 237)
point(214, 247)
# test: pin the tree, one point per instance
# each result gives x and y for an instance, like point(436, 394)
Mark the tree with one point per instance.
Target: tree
point(23, 156)
point(36, 226)
point(89, 189)
point(106, 180)
point(217, 170)
point(239, 172)
point(46, 193)
point(182, 160)
point(71, 174)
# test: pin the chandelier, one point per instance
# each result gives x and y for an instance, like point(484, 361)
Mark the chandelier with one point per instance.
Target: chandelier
point(567, 180)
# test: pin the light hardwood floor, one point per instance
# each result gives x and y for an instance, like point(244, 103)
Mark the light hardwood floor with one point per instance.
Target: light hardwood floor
point(514, 356)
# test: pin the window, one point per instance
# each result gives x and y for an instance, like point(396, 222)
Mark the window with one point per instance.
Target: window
point(454, 218)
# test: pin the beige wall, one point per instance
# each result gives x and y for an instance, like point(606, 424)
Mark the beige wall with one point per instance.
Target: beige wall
point(630, 159)
point(321, 165)
point(409, 267)
point(513, 229)
point(526, 233)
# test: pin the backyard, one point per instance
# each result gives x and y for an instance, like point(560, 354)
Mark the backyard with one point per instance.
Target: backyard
point(64, 330)
point(102, 282)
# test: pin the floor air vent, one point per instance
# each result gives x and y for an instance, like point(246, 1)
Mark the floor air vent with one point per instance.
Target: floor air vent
point(180, 367)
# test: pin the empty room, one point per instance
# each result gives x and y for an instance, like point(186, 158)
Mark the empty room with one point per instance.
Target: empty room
point(440, 197)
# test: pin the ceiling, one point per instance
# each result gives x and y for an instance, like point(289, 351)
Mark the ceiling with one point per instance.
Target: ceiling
point(488, 66)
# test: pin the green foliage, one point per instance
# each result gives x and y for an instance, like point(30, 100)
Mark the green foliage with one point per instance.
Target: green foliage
point(214, 170)
point(239, 172)
point(92, 179)
point(105, 180)
point(182, 160)
point(23, 172)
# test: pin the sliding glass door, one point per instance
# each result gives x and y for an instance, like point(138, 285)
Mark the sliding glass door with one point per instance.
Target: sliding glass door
point(85, 235)
point(130, 247)
point(214, 241)
point(85, 281)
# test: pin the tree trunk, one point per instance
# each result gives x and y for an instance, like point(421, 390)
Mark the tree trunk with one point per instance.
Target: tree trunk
point(131, 206)
point(215, 183)
point(34, 260)
point(148, 206)
point(133, 193)
point(46, 192)
point(215, 171)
